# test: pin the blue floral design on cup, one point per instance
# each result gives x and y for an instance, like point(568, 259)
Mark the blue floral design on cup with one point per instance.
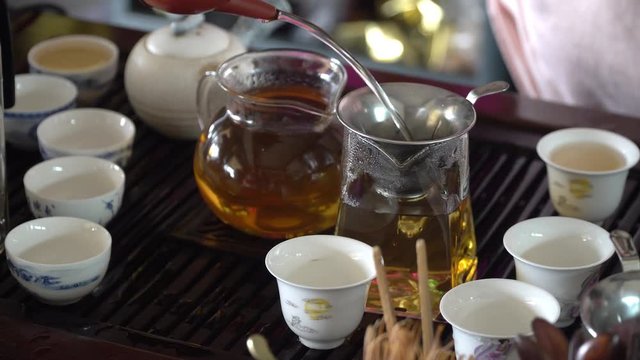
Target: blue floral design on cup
point(46, 281)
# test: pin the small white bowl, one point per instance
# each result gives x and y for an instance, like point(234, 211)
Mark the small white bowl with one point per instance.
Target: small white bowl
point(562, 255)
point(37, 97)
point(87, 131)
point(58, 259)
point(487, 315)
point(78, 186)
point(90, 61)
point(323, 281)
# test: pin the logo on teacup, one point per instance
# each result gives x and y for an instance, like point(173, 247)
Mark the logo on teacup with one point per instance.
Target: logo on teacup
point(317, 309)
point(296, 323)
point(562, 202)
point(493, 350)
point(580, 188)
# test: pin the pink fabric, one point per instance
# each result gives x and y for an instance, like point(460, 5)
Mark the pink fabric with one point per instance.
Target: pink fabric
point(583, 53)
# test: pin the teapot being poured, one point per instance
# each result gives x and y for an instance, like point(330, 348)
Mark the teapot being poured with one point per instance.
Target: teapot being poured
point(261, 10)
point(444, 109)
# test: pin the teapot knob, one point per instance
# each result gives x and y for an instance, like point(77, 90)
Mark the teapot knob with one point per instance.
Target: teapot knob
point(183, 24)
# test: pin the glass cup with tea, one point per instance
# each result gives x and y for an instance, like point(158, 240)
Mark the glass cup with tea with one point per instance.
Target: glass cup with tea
point(587, 169)
point(268, 164)
point(395, 192)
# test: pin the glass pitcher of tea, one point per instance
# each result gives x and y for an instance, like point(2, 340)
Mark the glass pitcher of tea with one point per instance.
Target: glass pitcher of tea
point(268, 159)
point(395, 192)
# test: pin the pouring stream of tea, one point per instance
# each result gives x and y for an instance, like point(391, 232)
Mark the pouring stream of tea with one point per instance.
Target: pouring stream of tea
point(261, 10)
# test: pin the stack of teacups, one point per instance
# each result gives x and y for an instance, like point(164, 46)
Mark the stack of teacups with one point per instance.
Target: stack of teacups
point(63, 255)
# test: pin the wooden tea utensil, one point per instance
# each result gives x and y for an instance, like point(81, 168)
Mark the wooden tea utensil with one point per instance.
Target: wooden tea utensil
point(425, 297)
point(383, 288)
point(388, 339)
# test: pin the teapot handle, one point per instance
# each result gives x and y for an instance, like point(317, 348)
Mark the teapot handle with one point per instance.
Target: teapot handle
point(210, 99)
point(249, 30)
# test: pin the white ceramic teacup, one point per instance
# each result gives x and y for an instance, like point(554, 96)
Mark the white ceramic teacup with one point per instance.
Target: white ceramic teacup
point(90, 61)
point(587, 169)
point(37, 96)
point(77, 186)
point(323, 282)
point(58, 259)
point(561, 255)
point(94, 132)
point(487, 315)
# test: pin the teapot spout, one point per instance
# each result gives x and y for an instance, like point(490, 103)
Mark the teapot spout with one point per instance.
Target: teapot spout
point(250, 30)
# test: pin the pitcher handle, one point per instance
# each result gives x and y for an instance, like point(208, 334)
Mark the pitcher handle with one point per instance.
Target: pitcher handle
point(210, 99)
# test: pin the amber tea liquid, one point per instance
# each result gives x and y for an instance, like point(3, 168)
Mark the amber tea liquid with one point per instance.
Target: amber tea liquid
point(276, 172)
point(451, 248)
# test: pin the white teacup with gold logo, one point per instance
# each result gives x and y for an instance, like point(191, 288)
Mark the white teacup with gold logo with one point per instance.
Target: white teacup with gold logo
point(561, 255)
point(323, 282)
point(587, 169)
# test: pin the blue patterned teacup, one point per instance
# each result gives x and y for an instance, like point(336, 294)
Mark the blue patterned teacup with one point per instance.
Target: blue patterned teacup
point(37, 97)
point(93, 132)
point(58, 259)
point(79, 186)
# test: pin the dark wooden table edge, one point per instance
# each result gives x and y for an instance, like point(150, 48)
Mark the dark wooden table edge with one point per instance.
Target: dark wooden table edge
point(500, 112)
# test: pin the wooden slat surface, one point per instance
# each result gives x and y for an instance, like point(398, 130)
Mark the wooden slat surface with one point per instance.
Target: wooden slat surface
point(181, 283)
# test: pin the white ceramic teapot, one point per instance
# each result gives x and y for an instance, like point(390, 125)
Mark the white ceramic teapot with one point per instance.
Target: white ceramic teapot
point(163, 69)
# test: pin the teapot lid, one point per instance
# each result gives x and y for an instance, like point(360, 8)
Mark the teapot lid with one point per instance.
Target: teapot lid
point(201, 41)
